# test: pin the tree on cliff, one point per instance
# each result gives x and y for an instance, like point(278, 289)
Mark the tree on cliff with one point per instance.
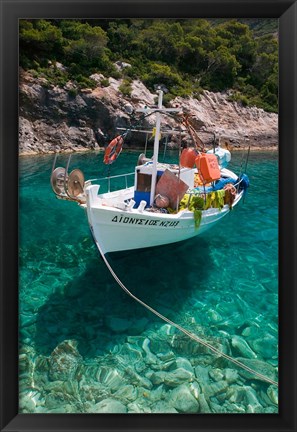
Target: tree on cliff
point(187, 55)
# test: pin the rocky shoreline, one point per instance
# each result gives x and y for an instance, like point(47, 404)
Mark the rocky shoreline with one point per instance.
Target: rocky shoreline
point(54, 119)
point(241, 148)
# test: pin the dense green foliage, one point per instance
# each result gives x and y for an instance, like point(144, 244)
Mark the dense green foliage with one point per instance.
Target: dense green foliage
point(186, 55)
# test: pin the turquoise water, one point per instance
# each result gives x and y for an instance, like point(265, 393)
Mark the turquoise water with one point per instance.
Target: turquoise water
point(85, 346)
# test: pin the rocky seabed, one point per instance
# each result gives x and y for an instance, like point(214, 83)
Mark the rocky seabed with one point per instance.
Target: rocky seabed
point(158, 371)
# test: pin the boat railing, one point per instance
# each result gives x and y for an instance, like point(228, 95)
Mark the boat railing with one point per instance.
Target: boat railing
point(109, 178)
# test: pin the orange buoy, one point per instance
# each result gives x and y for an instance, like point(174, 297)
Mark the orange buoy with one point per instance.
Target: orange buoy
point(187, 157)
point(113, 149)
point(208, 167)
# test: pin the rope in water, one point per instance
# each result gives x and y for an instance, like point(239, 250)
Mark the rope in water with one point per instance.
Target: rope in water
point(183, 330)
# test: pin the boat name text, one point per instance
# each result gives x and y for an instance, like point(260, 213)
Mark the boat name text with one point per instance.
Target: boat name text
point(151, 222)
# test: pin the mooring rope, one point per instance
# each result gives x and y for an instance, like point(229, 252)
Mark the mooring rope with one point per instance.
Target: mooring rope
point(181, 329)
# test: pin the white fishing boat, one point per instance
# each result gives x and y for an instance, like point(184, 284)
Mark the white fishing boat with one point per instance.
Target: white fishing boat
point(168, 203)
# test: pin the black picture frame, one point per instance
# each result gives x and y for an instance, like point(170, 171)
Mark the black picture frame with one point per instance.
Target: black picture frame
point(11, 11)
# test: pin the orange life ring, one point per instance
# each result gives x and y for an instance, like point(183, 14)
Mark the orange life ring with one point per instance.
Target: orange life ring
point(113, 149)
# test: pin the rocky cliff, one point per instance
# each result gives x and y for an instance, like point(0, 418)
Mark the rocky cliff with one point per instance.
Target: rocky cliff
point(62, 119)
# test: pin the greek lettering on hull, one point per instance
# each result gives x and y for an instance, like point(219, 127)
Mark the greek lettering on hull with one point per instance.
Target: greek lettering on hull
point(137, 221)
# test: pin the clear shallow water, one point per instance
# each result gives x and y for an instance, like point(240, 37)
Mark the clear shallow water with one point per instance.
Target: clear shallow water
point(85, 346)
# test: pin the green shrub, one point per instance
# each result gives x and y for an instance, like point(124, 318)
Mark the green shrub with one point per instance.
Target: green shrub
point(162, 74)
point(125, 88)
point(115, 74)
point(132, 72)
point(85, 82)
point(104, 82)
point(166, 99)
point(73, 92)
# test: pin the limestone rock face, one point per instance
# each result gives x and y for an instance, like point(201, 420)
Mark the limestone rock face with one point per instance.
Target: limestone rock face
point(65, 119)
point(41, 137)
point(232, 121)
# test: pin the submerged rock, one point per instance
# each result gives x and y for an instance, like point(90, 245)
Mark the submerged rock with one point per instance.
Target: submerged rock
point(235, 394)
point(216, 408)
point(150, 358)
point(183, 363)
point(163, 407)
point(251, 331)
point(28, 401)
point(59, 399)
point(266, 346)
point(182, 400)
point(167, 330)
point(64, 361)
point(93, 392)
point(215, 388)
point(170, 365)
point(272, 393)
point(157, 394)
point(160, 346)
point(27, 366)
point(195, 389)
point(110, 406)
point(128, 392)
point(130, 353)
point(242, 347)
point(42, 363)
point(110, 377)
point(71, 388)
point(167, 357)
point(259, 366)
point(137, 408)
point(252, 401)
point(231, 375)
point(202, 374)
point(137, 379)
point(216, 374)
point(204, 407)
point(234, 408)
point(172, 379)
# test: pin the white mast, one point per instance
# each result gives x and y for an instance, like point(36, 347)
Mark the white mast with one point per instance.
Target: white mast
point(156, 147)
point(158, 112)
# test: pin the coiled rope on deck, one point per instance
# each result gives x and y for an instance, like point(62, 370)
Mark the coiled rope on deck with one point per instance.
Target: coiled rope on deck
point(181, 329)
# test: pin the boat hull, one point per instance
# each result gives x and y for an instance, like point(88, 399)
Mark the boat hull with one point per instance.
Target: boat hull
point(117, 230)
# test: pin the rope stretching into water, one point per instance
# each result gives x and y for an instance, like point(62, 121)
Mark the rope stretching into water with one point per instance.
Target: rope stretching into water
point(183, 330)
